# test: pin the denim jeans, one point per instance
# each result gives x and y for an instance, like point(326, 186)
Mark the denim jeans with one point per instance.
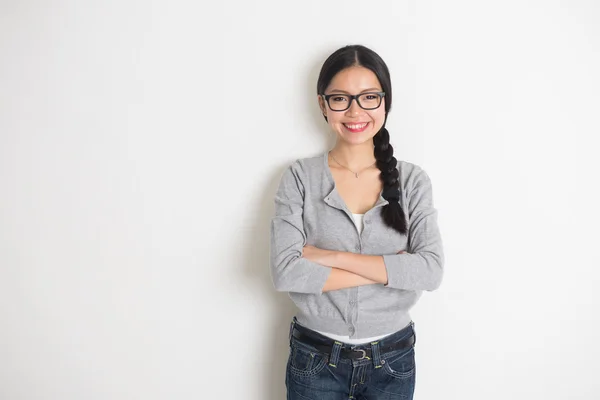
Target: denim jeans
point(316, 375)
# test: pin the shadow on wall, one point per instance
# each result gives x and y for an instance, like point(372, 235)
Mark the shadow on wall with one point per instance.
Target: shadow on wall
point(312, 111)
point(273, 352)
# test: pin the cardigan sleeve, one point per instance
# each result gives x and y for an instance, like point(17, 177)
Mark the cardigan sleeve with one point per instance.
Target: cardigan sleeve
point(290, 272)
point(422, 267)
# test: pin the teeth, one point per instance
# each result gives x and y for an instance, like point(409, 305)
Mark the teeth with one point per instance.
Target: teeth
point(356, 126)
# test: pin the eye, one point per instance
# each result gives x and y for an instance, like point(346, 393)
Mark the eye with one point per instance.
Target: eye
point(338, 99)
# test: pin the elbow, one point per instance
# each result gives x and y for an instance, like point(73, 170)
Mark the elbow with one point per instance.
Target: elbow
point(436, 282)
point(279, 282)
point(436, 272)
point(281, 276)
point(293, 273)
point(281, 288)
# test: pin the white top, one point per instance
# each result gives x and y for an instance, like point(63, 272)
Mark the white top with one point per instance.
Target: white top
point(358, 221)
point(346, 339)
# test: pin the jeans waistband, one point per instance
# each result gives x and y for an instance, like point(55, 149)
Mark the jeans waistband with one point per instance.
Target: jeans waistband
point(386, 341)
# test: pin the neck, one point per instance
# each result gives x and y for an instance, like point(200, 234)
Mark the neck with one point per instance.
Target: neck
point(355, 156)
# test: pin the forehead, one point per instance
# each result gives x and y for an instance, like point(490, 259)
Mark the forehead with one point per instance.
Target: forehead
point(354, 79)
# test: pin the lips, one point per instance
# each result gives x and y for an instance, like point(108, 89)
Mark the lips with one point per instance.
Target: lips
point(356, 127)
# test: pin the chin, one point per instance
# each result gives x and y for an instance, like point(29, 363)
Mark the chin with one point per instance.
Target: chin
point(356, 140)
point(360, 138)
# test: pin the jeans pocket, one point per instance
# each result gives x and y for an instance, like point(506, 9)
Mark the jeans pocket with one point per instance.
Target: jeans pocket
point(400, 364)
point(304, 362)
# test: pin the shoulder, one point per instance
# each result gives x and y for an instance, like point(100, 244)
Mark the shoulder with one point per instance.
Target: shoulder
point(307, 166)
point(411, 175)
point(301, 170)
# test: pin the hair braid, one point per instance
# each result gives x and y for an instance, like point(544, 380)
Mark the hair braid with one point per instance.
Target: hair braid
point(392, 213)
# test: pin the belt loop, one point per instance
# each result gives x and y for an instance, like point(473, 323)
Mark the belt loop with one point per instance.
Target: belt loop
point(377, 362)
point(292, 324)
point(412, 324)
point(335, 354)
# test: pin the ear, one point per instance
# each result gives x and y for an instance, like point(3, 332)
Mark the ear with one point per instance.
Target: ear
point(322, 105)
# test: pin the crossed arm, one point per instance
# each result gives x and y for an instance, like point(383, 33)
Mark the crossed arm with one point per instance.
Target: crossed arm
point(348, 269)
point(296, 267)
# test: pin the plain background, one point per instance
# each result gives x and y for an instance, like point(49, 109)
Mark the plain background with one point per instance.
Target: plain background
point(141, 144)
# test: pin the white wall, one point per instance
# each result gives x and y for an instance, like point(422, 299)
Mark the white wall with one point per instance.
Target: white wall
point(141, 144)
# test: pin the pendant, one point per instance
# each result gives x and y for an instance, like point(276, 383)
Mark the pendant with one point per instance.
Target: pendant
point(356, 173)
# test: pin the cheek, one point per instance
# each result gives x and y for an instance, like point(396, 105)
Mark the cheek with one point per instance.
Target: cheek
point(334, 119)
point(378, 118)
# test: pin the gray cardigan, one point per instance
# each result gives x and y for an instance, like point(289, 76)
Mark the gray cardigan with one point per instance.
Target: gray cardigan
point(310, 211)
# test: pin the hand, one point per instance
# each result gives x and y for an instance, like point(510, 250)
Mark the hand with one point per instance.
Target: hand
point(317, 255)
point(401, 252)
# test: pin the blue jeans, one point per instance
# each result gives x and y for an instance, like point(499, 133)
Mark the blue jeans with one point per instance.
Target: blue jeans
point(313, 374)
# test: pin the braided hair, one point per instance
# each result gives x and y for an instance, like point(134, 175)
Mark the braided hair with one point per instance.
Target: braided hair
point(358, 55)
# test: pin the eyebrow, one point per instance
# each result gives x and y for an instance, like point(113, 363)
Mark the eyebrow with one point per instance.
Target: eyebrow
point(363, 91)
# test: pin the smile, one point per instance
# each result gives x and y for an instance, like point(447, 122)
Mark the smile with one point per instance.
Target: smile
point(356, 127)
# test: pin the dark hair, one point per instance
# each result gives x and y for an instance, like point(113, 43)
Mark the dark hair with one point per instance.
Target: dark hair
point(357, 55)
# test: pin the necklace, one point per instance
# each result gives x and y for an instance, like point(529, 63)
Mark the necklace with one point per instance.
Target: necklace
point(354, 172)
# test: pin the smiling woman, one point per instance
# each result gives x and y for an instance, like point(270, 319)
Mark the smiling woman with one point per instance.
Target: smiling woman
point(355, 241)
point(349, 114)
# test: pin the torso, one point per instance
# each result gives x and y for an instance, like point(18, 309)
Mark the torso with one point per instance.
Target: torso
point(360, 194)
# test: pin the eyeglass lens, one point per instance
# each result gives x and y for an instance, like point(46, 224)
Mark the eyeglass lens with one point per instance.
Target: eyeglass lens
point(367, 101)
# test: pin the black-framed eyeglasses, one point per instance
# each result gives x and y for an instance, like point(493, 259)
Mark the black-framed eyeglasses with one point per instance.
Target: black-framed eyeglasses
point(342, 102)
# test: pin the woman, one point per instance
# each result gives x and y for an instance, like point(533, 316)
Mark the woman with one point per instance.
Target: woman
point(354, 241)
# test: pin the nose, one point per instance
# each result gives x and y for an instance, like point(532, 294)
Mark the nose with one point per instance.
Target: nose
point(354, 108)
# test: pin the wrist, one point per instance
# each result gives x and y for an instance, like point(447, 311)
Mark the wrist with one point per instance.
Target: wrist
point(332, 258)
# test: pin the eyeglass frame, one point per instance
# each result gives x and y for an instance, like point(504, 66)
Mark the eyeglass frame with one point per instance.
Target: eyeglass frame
point(326, 97)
